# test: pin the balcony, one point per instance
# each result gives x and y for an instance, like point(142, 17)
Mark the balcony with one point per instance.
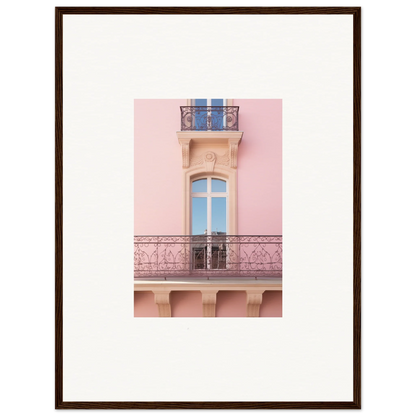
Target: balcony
point(208, 256)
point(213, 118)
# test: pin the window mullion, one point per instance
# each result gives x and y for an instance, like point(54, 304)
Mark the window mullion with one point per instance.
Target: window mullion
point(209, 214)
point(209, 219)
point(208, 112)
point(209, 245)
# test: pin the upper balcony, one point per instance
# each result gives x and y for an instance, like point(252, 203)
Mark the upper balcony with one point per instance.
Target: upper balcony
point(208, 256)
point(212, 118)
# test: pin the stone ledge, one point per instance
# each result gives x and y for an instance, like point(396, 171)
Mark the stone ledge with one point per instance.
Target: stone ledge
point(184, 285)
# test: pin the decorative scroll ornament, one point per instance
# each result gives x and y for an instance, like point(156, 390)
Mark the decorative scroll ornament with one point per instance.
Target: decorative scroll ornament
point(223, 160)
point(209, 159)
point(209, 118)
point(193, 155)
point(233, 152)
point(196, 160)
point(185, 152)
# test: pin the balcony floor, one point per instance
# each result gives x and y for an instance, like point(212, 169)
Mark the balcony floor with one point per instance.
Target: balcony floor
point(198, 284)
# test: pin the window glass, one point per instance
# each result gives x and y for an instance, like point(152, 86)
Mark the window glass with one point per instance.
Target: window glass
point(199, 216)
point(219, 215)
point(209, 206)
point(201, 101)
point(199, 185)
point(217, 101)
point(201, 115)
point(217, 117)
point(209, 120)
point(218, 185)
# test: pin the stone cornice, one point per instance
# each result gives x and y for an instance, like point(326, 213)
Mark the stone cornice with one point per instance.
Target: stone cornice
point(208, 138)
point(201, 285)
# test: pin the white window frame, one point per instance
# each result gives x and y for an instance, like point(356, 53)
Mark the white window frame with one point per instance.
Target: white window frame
point(209, 195)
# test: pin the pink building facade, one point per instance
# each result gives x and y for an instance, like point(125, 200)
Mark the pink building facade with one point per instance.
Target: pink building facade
point(208, 208)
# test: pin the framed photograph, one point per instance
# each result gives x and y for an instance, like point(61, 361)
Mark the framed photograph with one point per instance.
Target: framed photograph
point(208, 170)
point(212, 251)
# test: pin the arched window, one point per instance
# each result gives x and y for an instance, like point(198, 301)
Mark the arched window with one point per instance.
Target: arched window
point(209, 206)
point(209, 223)
point(222, 183)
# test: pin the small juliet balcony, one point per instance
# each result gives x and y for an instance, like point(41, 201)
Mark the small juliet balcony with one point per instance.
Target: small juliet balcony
point(208, 256)
point(211, 118)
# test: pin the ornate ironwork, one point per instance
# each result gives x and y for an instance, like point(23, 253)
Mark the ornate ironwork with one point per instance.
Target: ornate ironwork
point(208, 256)
point(211, 118)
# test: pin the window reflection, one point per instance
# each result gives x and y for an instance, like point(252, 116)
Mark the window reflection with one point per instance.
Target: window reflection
point(218, 185)
point(199, 186)
point(219, 216)
point(199, 216)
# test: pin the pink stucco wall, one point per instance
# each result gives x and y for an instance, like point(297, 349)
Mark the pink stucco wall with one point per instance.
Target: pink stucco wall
point(231, 304)
point(186, 304)
point(158, 167)
point(144, 305)
point(271, 305)
point(260, 167)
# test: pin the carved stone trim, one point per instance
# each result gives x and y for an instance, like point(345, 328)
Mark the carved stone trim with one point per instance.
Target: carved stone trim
point(209, 159)
point(224, 159)
point(233, 143)
point(196, 160)
point(162, 300)
point(185, 152)
point(210, 139)
point(209, 300)
point(254, 299)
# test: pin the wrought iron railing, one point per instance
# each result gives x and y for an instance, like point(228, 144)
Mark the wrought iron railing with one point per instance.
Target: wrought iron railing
point(208, 256)
point(213, 118)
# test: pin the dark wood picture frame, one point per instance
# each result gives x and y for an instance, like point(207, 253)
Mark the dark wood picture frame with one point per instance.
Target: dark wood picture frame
point(356, 13)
